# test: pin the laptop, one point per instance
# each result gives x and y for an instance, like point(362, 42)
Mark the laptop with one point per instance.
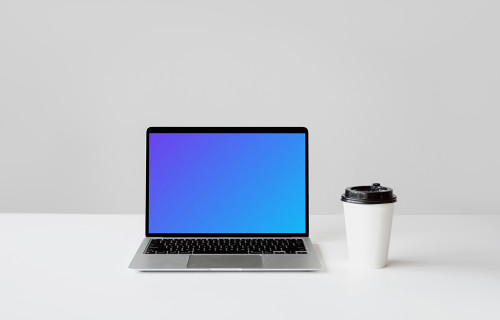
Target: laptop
point(226, 199)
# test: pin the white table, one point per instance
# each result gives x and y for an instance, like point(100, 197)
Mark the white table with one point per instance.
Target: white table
point(74, 266)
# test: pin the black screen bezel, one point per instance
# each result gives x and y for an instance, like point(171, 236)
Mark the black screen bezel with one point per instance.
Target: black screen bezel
point(228, 130)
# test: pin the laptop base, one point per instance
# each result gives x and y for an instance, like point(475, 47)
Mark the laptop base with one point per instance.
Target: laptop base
point(226, 262)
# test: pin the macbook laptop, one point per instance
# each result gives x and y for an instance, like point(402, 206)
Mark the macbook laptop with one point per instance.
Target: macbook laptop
point(226, 199)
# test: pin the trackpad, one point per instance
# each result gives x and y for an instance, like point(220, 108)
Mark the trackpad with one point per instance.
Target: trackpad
point(224, 261)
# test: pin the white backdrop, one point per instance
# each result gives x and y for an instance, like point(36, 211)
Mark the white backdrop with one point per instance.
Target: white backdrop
point(405, 93)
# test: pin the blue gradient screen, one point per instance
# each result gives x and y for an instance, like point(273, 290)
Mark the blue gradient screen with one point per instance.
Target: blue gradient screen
point(227, 183)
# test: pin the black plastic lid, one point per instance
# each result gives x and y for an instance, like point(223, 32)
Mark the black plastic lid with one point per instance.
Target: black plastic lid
point(373, 194)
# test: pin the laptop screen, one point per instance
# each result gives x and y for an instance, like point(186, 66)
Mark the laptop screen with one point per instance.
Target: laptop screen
point(226, 183)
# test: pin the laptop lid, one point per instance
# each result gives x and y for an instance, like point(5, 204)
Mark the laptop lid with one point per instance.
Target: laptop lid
point(216, 182)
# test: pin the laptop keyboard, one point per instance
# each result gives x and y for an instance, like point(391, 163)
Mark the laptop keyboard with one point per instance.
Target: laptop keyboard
point(226, 246)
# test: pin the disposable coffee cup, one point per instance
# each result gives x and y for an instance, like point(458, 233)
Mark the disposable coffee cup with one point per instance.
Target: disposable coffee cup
point(368, 212)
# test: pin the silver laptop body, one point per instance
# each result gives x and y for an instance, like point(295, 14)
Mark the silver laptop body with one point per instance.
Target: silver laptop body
point(226, 199)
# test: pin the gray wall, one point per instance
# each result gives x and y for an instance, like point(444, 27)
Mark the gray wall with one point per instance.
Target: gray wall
point(405, 93)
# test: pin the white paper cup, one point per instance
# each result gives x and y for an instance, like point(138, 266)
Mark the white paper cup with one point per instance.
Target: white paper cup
point(368, 226)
